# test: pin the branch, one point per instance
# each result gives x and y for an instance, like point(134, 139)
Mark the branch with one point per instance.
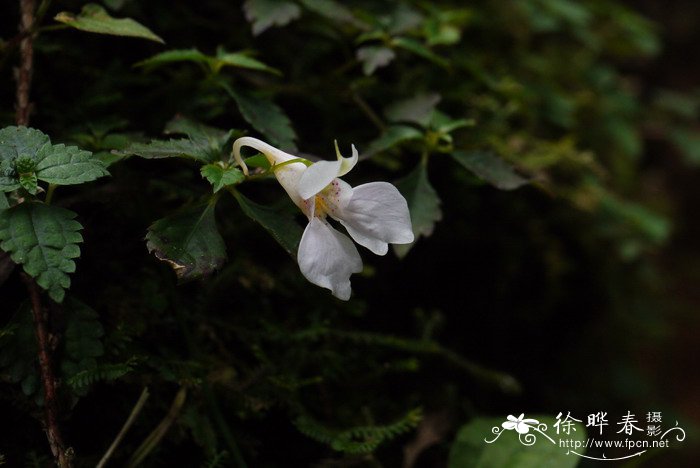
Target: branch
point(48, 378)
point(39, 314)
point(26, 51)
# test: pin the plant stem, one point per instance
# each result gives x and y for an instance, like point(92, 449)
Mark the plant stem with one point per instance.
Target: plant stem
point(125, 428)
point(26, 51)
point(48, 379)
point(62, 456)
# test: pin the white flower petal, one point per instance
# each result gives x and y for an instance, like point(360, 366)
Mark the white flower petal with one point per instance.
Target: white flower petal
point(508, 425)
point(336, 197)
point(376, 215)
point(347, 163)
point(327, 258)
point(287, 175)
point(320, 174)
point(522, 428)
point(317, 177)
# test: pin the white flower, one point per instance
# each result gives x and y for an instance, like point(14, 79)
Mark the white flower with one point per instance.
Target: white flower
point(374, 214)
point(522, 426)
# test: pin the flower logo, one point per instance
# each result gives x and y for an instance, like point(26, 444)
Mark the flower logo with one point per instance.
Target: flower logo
point(522, 426)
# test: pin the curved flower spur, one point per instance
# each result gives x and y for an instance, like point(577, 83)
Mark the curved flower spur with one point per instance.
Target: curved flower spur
point(374, 214)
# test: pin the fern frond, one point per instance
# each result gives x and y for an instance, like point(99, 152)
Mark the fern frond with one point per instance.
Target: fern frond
point(104, 372)
point(360, 439)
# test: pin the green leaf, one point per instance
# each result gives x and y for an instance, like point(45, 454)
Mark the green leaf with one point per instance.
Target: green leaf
point(21, 142)
point(266, 117)
point(27, 155)
point(240, 60)
point(3, 201)
point(189, 241)
point(68, 165)
point(373, 57)
point(423, 204)
point(417, 109)
point(393, 136)
point(264, 14)
point(280, 224)
point(29, 182)
point(470, 449)
point(220, 177)
point(173, 56)
point(216, 63)
point(182, 148)
point(419, 49)
point(490, 168)
point(44, 240)
point(333, 10)
point(94, 18)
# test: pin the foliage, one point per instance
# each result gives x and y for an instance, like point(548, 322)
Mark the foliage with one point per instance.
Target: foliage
point(521, 134)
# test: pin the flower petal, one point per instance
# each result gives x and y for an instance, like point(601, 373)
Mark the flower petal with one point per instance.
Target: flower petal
point(320, 174)
point(327, 258)
point(376, 216)
point(522, 428)
point(317, 177)
point(347, 163)
point(508, 425)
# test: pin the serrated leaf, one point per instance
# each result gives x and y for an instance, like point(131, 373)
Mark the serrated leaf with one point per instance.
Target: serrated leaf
point(373, 57)
point(490, 168)
point(263, 14)
point(220, 177)
point(393, 136)
point(470, 450)
point(417, 109)
point(188, 241)
point(423, 204)
point(280, 224)
point(44, 240)
point(68, 165)
point(266, 117)
point(55, 164)
point(18, 142)
point(419, 49)
point(29, 182)
point(182, 148)
point(93, 18)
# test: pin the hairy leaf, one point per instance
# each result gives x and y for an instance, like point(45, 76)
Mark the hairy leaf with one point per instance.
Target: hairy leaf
point(27, 155)
point(68, 165)
point(188, 241)
point(219, 177)
point(282, 226)
point(490, 168)
point(44, 240)
point(182, 148)
point(263, 14)
point(423, 204)
point(94, 18)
